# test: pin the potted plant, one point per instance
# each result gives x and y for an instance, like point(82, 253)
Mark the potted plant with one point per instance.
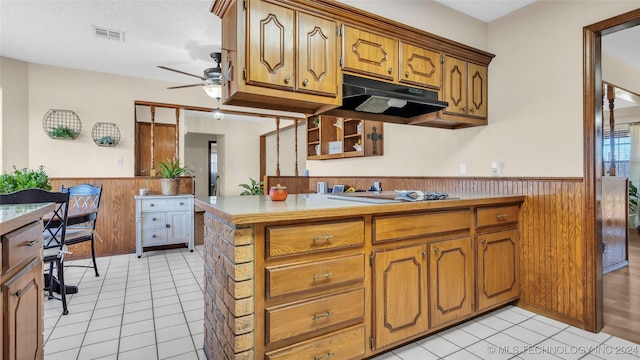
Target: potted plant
point(254, 189)
point(169, 172)
point(24, 179)
point(62, 132)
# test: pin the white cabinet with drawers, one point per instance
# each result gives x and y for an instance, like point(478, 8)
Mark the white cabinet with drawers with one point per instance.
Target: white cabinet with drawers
point(164, 220)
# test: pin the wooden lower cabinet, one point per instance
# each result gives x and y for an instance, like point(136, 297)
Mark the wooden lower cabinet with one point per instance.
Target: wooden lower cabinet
point(21, 296)
point(400, 294)
point(451, 279)
point(343, 344)
point(497, 268)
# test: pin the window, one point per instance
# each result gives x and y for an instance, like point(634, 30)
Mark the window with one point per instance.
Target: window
point(622, 149)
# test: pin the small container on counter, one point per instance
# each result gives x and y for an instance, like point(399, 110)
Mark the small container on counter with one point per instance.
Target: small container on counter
point(278, 193)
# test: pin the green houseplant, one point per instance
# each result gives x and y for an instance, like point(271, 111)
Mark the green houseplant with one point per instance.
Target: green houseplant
point(255, 188)
point(24, 179)
point(62, 132)
point(169, 172)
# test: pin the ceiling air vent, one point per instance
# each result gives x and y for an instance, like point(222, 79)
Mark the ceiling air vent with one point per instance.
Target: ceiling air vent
point(108, 34)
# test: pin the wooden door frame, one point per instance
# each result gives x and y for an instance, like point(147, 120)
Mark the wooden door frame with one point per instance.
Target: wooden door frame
point(592, 157)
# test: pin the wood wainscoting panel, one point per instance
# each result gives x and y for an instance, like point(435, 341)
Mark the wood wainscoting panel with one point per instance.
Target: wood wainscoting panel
point(116, 224)
point(553, 252)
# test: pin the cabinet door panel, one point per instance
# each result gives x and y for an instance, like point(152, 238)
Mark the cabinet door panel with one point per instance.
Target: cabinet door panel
point(497, 268)
point(369, 53)
point(179, 230)
point(400, 294)
point(23, 324)
point(477, 90)
point(451, 280)
point(270, 58)
point(420, 66)
point(317, 63)
point(455, 85)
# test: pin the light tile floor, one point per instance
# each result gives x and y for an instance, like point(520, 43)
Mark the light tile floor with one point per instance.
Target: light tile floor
point(152, 308)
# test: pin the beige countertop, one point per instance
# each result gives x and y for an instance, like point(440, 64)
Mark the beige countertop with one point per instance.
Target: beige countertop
point(259, 209)
point(15, 216)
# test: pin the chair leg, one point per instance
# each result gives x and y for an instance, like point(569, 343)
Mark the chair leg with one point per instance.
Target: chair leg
point(63, 292)
point(93, 255)
point(51, 280)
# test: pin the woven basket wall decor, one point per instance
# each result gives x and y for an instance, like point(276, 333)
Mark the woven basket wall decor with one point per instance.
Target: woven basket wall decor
point(170, 186)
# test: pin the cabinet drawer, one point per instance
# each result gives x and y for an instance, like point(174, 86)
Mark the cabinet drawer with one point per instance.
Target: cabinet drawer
point(405, 226)
point(497, 215)
point(343, 344)
point(153, 237)
point(164, 204)
point(284, 240)
point(152, 220)
point(298, 319)
point(289, 279)
point(21, 245)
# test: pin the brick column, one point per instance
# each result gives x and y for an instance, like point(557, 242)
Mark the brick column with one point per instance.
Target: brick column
point(229, 299)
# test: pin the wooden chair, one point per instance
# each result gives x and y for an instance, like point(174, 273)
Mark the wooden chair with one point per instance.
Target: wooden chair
point(83, 198)
point(54, 234)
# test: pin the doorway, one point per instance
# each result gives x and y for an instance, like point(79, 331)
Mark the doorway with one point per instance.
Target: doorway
point(592, 155)
point(214, 177)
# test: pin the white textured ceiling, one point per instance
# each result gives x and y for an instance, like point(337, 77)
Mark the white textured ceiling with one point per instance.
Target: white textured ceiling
point(178, 34)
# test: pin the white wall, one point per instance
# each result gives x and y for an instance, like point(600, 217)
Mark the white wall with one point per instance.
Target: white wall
point(197, 153)
point(14, 105)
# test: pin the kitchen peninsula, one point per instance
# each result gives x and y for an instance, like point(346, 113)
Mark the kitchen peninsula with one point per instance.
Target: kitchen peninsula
point(322, 277)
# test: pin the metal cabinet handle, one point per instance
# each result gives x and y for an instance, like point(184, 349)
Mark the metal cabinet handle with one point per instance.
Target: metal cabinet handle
point(31, 243)
point(305, 82)
point(471, 110)
point(436, 250)
point(423, 253)
point(320, 316)
point(484, 242)
point(501, 217)
point(181, 203)
point(151, 205)
point(322, 357)
point(406, 74)
point(18, 293)
point(464, 108)
point(153, 219)
point(390, 71)
point(320, 276)
point(153, 236)
point(320, 238)
point(168, 226)
point(287, 79)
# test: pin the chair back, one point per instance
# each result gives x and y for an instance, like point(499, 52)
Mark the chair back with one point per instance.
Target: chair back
point(54, 225)
point(84, 197)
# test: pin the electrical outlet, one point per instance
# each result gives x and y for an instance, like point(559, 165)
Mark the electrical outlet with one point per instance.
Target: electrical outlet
point(463, 168)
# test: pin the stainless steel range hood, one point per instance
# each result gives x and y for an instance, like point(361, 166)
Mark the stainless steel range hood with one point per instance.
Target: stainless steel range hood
point(370, 99)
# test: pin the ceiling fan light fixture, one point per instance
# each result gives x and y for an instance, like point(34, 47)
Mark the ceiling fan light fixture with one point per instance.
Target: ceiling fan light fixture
point(213, 90)
point(217, 114)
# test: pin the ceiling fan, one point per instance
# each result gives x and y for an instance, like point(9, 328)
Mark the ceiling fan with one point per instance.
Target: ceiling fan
point(212, 77)
point(212, 81)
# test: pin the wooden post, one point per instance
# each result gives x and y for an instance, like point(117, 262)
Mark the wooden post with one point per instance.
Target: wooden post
point(177, 150)
point(277, 146)
point(295, 131)
point(612, 124)
point(153, 122)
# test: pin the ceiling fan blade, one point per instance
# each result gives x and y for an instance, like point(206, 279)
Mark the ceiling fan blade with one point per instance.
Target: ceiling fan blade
point(184, 86)
point(181, 72)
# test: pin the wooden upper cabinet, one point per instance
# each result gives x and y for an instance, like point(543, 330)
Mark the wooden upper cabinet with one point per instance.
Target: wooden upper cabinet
point(455, 85)
point(477, 90)
point(370, 54)
point(400, 294)
point(317, 60)
point(420, 66)
point(465, 88)
point(270, 52)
